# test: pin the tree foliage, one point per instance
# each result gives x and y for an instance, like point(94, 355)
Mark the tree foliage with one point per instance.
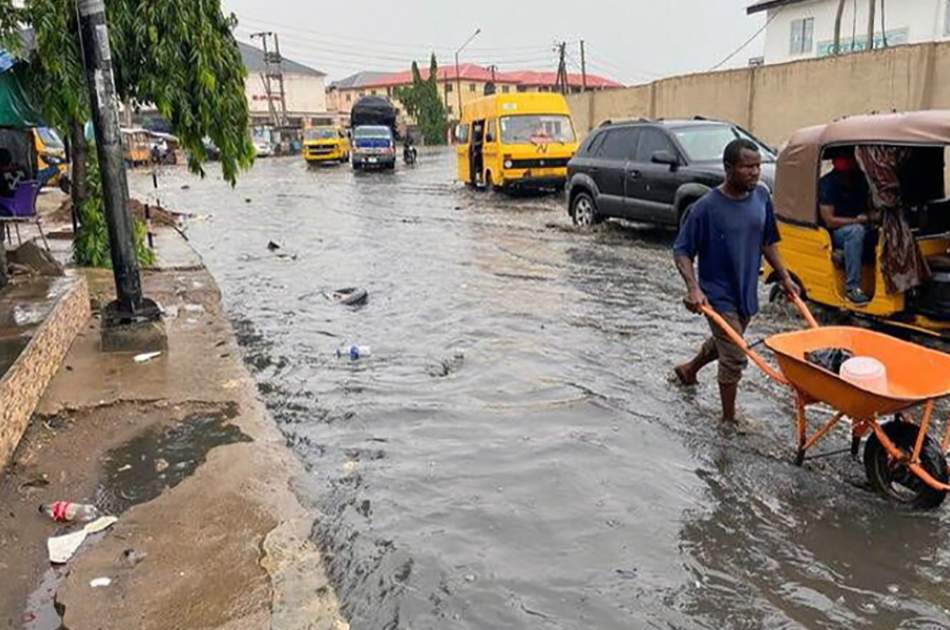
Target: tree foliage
point(179, 55)
point(422, 102)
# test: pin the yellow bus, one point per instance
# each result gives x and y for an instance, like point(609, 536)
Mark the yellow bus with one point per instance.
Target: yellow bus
point(325, 144)
point(521, 140)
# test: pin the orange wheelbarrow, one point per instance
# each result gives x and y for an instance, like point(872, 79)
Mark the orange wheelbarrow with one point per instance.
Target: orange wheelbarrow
point(902, 461)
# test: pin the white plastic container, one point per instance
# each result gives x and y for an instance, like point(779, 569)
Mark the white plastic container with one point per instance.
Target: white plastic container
point(867, 373)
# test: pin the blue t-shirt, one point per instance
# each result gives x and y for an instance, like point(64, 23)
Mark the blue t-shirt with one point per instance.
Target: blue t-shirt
point(849, 198)
point(728, 236)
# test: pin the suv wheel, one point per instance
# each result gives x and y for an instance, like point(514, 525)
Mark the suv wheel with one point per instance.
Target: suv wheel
point(584, 211)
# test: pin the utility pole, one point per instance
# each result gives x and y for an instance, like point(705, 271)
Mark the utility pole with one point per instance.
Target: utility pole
point(273, 70)
point(561, 83)
point(583, 67)
point(130, 306)
point(872, 7)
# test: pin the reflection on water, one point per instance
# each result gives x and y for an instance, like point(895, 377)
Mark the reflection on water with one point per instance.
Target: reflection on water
point(513, 454)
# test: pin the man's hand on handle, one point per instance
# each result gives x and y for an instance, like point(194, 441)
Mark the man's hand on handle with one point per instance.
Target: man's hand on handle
point(695, 300)
point(791, 287)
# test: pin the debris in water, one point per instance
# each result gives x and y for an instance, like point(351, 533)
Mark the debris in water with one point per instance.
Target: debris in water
point(145, 357)
point(272, 246)
point(100, 582)
point(161, 465)
point(350, 296)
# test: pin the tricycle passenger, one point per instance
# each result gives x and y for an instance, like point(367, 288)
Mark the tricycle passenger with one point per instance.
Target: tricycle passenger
point(844, 202)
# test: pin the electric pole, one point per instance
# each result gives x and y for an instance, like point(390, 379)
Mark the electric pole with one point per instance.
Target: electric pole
point(130, 306)
point(273, 70)
point(561, 83)
point(583, 67)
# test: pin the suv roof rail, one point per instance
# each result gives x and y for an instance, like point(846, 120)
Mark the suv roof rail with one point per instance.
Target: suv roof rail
point(639, 119)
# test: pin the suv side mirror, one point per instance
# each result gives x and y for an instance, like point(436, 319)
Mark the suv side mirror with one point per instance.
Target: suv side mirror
point(665, 157)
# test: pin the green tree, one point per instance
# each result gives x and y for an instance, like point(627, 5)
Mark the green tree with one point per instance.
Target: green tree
point(179, 55)
point(422, 102)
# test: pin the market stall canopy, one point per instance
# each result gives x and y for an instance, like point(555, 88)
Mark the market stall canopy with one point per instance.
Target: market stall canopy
point(799, 164)
point(15, 108)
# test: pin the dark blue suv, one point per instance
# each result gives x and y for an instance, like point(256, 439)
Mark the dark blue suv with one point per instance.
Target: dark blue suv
point(651, 171)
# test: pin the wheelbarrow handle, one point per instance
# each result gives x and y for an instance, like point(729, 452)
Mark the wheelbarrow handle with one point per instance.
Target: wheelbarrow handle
point(803, 309)
point(737, 339)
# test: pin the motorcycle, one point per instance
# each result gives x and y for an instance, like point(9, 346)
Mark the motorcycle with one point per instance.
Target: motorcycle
point(409, 154)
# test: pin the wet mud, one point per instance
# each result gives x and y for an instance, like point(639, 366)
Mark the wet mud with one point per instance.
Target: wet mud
point(513, 454)
point(139, 451)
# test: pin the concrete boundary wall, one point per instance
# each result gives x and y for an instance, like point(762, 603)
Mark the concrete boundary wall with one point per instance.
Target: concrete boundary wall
point(773, 101)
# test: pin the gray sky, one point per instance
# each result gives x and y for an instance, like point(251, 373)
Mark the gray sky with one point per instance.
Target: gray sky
point(632, 41)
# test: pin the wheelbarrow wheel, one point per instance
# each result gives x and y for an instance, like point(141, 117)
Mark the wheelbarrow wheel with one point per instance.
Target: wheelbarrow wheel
point(894, 480)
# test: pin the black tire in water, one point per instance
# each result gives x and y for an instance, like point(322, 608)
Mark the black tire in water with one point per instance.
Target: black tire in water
point(584, 211)
point(894, 480)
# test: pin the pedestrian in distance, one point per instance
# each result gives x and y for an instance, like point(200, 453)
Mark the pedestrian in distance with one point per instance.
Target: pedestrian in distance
point(728, 230)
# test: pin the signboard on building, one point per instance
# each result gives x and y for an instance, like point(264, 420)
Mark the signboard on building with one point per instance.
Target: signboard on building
point(894, 38)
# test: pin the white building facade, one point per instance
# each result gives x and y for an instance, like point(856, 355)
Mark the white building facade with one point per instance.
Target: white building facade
point(802, 29)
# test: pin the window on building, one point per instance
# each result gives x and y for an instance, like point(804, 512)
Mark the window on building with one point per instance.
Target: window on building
point(373, 92)
point(803, 32)
point(472, 87)
point(389, 91)
point(449, 110)
point(522, 88)
point(448, 88)
point(505, 89)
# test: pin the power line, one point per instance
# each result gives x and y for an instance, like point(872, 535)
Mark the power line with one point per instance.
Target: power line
point(750, 40)
point(397, 46)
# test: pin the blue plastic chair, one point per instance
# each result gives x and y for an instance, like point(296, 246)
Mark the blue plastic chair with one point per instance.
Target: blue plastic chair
point(21, 208)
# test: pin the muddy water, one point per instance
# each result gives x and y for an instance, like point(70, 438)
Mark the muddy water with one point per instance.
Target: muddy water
point(512, 454)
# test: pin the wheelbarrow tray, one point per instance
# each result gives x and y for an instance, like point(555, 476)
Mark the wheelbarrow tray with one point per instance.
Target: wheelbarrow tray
point(915, 374)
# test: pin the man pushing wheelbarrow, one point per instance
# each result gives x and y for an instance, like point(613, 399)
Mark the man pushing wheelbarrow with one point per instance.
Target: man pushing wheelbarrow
point(728, 230)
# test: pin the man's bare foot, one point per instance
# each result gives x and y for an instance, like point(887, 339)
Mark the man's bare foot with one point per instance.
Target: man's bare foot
point(684, 375)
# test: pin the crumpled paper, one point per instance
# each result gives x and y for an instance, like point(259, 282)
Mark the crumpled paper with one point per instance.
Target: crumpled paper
point(62, 548)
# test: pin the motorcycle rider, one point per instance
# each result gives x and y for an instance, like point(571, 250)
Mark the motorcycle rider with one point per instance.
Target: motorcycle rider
point(408, 150)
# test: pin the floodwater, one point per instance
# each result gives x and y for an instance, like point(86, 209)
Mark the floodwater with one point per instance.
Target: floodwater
point(512, 454)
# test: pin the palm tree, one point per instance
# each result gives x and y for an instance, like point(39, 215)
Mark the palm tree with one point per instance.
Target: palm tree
point(837, 46)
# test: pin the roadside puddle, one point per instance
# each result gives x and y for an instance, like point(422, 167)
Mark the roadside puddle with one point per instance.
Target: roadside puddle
point(136, 472)
point(162, 457)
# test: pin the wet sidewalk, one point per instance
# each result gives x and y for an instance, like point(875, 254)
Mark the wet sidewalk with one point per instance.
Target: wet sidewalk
point(210, 532)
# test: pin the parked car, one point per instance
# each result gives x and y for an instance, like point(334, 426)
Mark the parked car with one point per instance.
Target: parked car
point(263, 148)
point(651, 170)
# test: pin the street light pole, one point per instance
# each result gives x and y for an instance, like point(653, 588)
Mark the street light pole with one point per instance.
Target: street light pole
point(458, 77)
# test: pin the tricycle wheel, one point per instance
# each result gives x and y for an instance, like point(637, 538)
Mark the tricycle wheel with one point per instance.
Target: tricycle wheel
point(895, 480)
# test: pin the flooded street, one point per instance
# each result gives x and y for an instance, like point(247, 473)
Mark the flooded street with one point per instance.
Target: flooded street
point(512, 454)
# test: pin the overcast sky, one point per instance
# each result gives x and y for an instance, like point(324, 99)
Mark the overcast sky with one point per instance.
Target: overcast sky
point(632, 41)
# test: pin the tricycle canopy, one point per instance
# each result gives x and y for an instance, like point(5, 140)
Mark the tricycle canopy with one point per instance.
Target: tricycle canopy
point(799, 163)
